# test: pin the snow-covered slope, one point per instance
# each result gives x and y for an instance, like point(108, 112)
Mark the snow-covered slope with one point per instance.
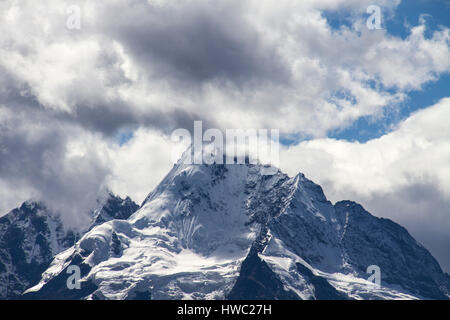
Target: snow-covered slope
point(230, 231)
point(31, 235)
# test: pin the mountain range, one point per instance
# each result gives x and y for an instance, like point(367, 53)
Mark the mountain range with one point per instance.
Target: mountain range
point(218, 232)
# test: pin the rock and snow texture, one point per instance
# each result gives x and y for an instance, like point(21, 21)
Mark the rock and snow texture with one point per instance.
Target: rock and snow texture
point(112, 208)
point(229, 231)
point(31, 236)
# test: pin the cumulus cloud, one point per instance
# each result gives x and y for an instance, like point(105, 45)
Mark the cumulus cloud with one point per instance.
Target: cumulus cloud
point(140, 164)
point(417, 150)
point(403, 175)
point(39, 159)
point(232, 63)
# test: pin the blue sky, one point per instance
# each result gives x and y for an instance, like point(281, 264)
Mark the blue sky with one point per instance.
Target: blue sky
point(436, 14)
point(124, 136)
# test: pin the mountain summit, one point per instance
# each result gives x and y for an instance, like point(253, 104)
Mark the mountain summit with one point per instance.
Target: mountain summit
point(232, 232)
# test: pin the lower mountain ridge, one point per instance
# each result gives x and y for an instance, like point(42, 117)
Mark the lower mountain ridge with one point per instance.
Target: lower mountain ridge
point(31, 236)
point(233, 232)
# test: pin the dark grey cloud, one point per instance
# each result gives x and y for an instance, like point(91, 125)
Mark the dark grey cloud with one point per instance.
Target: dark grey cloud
point(109, 122)
point(15, 93)
point(197, 43)
point(33, 155)
point(107, 119)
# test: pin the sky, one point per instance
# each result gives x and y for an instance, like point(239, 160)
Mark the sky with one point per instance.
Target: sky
point(90, 92)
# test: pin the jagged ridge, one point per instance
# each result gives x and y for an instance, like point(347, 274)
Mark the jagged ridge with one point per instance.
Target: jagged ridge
point(205, 228)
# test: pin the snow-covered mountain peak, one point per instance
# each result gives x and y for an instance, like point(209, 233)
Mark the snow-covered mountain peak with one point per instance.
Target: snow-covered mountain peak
point(113, 207)
point(223, 231)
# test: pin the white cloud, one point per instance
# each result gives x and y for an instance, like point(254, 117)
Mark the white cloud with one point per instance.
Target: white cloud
point(140, 164)
point(415, 152)
point(403, 175)
point(236, 64)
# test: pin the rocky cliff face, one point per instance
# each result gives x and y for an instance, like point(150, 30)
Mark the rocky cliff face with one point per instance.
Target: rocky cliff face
point(112, 208)
point(369, 240)
point(30, 236)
